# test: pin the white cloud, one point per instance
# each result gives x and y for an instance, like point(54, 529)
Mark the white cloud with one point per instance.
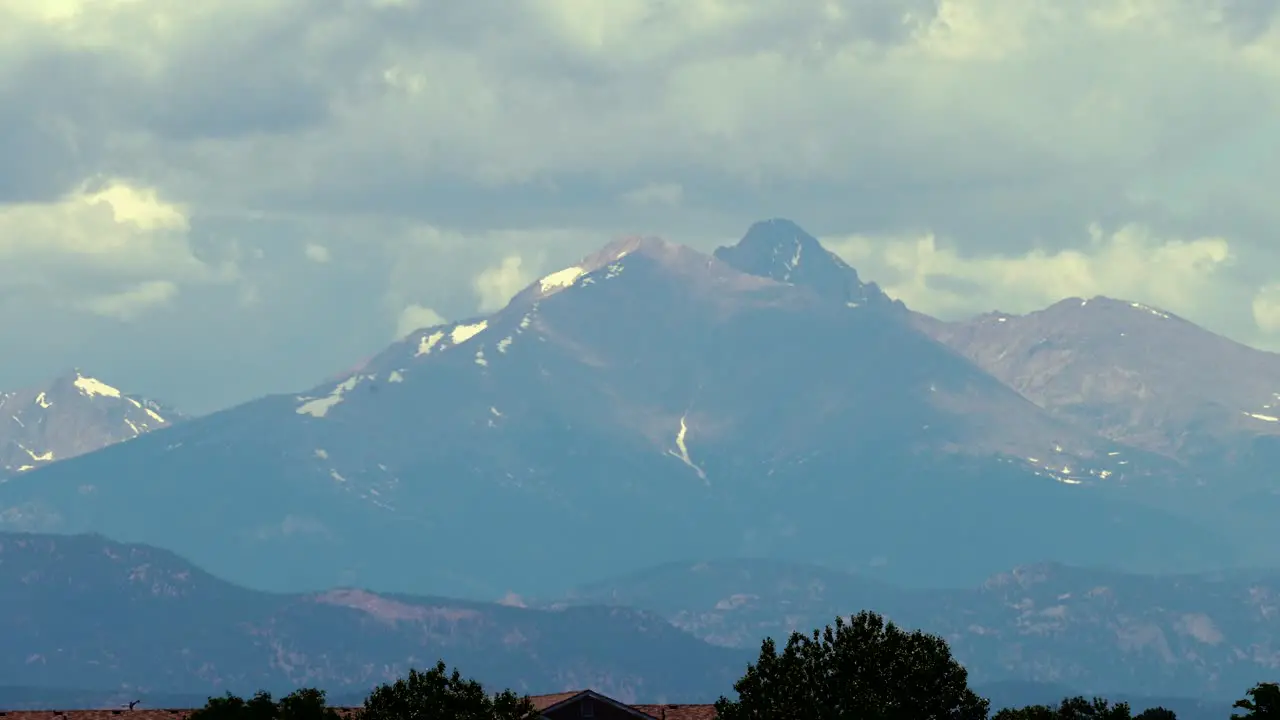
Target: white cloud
point(655, 194)
point(460, 272)
point(416, 317)
point(495, 286)
point(113, 249)
point(317, 253)
point(1128, 262)
point(129, 303)
point(1266, 308)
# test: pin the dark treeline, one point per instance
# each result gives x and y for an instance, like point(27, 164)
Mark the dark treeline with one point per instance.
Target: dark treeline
point(863, 669)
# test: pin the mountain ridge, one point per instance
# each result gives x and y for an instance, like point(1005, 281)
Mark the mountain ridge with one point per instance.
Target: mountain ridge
point(161, 625)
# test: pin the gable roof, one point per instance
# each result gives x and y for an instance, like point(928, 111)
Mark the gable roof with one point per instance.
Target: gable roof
point(596, 697)
point(678, 712)
point(542, 702)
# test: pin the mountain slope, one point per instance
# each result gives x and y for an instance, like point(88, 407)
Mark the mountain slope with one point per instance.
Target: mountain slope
point(1210, 636)
point(80, 611)
point(72, 415)
point(1140, 375)
point(651, 399)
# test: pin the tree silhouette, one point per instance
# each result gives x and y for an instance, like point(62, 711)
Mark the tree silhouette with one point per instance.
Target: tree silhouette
point(438, 695)
point(865, 669)
point(301, 704)
point(1079, 708)
point(1261, 702)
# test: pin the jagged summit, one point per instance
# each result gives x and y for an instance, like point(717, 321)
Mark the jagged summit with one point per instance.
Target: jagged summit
point(772, 251)
point(652, 260)
point(73, 414)
point(781, 250)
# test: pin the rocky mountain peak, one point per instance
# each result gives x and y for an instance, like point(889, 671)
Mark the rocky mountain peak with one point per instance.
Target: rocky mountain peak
point(73, 414)
point(781, 250)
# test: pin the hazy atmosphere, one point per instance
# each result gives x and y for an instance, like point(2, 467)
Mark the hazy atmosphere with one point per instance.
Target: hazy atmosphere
point(183, 181)
point(650, 359)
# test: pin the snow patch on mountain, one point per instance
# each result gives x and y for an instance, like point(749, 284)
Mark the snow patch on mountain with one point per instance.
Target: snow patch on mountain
point(320, 407)
point(92, 387)
point(560, 280)
point(46, 456)
point(463, 333)
point(1148, 308)
point(429, 342)
point(681, 452)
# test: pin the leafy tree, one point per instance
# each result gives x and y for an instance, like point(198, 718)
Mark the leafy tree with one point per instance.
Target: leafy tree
point(866, 669)
point(1030, 712)
point(438, 695)
point(1261, 702)
point(305, 704)
point(1078, 708)
point(302, 704)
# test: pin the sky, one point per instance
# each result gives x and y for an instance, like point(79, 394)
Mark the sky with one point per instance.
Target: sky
point(204, 201)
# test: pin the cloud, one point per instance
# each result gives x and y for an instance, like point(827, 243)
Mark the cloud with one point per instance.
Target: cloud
point(1128, 262)
point(1266, 308)
point(495, 286)
point(155, 149)
point(128, 304)
point(111, 248)
point(655, 194)
point(416, 317)
point(317, 253)
point(1017, 100)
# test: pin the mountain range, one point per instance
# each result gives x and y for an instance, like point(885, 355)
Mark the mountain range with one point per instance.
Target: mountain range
point(760, 401)
point(118, 618)
point(85, 612)
point(1206, 636)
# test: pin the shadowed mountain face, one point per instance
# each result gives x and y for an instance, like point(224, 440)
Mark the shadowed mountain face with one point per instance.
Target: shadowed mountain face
point(647, 404)
point(780, 250)
point(73, 415)
point(84, 612)
point(1094, 631)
